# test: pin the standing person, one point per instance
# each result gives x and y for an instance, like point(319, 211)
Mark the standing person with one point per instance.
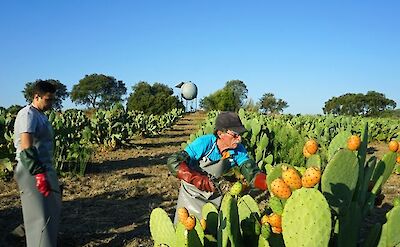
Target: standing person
point(207, 158)
point(35, 174)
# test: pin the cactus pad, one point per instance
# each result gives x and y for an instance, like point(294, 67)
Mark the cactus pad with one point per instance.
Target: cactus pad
point(161, 228)
point(306, 219)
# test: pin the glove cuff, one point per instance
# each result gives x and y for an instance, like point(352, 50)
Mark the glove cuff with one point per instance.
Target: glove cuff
point(260, 181)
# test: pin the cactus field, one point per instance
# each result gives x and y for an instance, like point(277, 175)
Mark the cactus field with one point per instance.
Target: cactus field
point(111, 204)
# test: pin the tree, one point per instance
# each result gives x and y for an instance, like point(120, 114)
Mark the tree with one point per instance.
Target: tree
point(239, 91)
point(14, 109)
point(156, 99)
point(371, 104)
point(270, 104)
point(98, 91)
point(222, 100)
point(230, 98)
point(61, 93)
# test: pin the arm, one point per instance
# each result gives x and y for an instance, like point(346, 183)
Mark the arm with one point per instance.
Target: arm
point(253, 174)
point(30, 160)
point(178, 166)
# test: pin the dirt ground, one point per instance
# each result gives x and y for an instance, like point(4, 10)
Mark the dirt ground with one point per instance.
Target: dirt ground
point(111, 205)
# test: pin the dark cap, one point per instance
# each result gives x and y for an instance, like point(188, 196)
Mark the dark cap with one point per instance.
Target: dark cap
point(227, 120)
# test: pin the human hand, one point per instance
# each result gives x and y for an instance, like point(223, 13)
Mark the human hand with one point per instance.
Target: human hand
point(42, 184)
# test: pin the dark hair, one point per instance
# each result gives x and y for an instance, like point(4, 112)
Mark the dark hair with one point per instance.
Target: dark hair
point(43, 87)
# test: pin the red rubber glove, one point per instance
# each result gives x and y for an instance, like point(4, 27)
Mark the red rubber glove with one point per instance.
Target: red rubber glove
point(42, 184)
point(201, 181)
point(260, 181)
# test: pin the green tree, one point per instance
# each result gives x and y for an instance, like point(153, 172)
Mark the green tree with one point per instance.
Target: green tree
point(152, 99)
point(98, 91)
point(222, 100)
point(271, 105)
point(230, 98)
point(370, 104)
point(239, 91)
point(61, 93)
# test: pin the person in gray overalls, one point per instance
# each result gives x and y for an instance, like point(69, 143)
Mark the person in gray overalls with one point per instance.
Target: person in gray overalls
point(206, 159)
point(35, 175)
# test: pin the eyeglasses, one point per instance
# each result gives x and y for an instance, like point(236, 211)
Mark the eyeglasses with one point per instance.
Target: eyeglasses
point(233, 133)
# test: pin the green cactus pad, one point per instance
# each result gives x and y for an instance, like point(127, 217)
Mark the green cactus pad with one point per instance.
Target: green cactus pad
point(314, 160)
point(262, 242)
point(339, 180)
point(384, 169)
point(228, 227)
point(276, 205)
point(390, 230)
point(194, 237)
point(210, 214)
point(306, 219)
point(338, 142)
point(161, 228)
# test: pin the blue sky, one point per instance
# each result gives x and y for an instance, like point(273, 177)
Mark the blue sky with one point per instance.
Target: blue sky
point(304, 52)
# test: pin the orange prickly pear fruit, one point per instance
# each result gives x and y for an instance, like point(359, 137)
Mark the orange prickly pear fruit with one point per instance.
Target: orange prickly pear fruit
point(305, 152)
point(353, 143)
point(311, 146)
point(190, 222)
point(398, 159)
point(280, 189)
point(277, 230)
point(393, 145)
point(291, 177)
point(311, 177)
point(203, 224)
point(275, 220)
point(264, 219)
point(183, 214)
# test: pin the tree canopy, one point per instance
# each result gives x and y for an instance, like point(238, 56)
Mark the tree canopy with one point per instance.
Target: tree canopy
point(221, 100)
point(271, 105)
point(98, 91)
point(239, 91)
point(229, 98)
point(153, 99)
point(61, 93)
point(370, 104)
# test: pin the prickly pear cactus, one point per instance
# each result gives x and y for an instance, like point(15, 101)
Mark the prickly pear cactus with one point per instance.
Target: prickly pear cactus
point(161, 228)
point(314, 161)
point(306, 219)
point(249, 213)
point(276, 205)
point(339, 180)
point(383, 169)
point(210, 214)
point(194, 237)
point(390, 230)
point(275, 173)
point(338, 142)
point(228, 227)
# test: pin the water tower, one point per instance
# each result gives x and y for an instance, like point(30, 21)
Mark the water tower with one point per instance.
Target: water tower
point(188, 95)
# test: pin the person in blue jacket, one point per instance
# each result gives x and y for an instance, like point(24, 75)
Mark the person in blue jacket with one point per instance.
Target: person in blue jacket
point(207, 158)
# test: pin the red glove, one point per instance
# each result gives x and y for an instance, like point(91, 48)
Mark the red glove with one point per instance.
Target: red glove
point(201, 181)
point(260, 181)
point(42, 184)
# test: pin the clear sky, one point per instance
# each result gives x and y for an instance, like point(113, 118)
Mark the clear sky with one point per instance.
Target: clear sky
point(304, 52)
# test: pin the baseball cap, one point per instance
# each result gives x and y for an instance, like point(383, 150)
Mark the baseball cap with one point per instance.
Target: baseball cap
point(229, 120)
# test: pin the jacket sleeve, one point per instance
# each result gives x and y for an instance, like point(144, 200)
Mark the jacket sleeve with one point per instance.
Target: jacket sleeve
point(250, 171)
point(30, 160)
point(176, 159)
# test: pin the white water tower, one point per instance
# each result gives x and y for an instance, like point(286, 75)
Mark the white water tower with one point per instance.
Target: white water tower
point(189, 94)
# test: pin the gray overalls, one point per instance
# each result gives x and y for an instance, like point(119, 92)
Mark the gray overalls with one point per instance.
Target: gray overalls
point(41, 214)
point(192, 198)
